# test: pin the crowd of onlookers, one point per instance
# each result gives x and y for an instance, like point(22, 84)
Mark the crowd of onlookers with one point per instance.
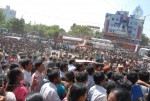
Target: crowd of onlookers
point(102, 75)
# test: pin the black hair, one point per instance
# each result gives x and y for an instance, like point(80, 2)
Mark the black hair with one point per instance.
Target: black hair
point(77, 90)
point(38, 64)
point(70, 75)
point(109, 74)
point(125, 84)
point(13, 65)
point(51, 58)
point(51, 64)
point(53, 74)
point(3, 81)
point(133, 77)
point(48, 71)
point(25, 63)
point(97, 65)
point(79, 65)
point(144, 76)
point(71, 61)
point(99, 77)
point(109, 86)
point(135, 69)
point(90, 69)
point(82, 77)
point(12, 75)
point(63, 65)
point(121, 94)
point(34, 97)
point(117, 76)
point(3, 78)
point(58, 64)
point(4, 66)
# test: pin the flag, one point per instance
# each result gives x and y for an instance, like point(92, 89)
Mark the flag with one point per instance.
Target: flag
point(138, 12)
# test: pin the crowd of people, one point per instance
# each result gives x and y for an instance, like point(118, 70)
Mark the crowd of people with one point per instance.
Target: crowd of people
point(106, 76)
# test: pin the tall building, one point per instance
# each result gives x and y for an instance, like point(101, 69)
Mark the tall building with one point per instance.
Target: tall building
point(9, 13)
point(123, 29)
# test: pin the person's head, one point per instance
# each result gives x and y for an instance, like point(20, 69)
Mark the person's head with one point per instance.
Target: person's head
point(120, 68)
point(5, 68)
point(119, 94)
point(64, 66)
point(97, 67)
point(82, 77)
point(13, 65)
point(3, 81)
point(109, 74)
point(144, 76)
point(80, 67)
point(99, 78)
point(109, 86)
point(133, 77)
point(15, 76)
point(39, 66)
point(27, 65)
point(72, 61)
point(54, 76)
point(58, 63)
point(78, 92)
point(125, 84)
point(51, 64)
point(70, 77)
point(51, 59)
point(90, 69)
point(117, 76)
point(34, 97)
point(1, 55)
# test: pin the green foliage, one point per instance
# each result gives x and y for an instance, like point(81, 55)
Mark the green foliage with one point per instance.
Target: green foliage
point(98, 34)
point(16, 25)
point(144, 40)
point(44, 30)
point(81, 31)
point(2, 18)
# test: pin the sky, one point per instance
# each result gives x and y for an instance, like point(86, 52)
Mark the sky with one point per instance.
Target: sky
point(66, 12)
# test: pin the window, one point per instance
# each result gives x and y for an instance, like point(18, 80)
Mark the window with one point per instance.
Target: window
point(113, 19)
point(117, 19)
point(131, 23)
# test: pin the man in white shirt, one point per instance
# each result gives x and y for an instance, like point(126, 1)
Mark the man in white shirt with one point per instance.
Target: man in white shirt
point(72, 65)
point(97, 92)
point(49, 90)
point(30, 84)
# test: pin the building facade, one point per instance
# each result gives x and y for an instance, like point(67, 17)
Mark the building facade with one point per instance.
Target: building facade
point(123, 29)
point(9, 13)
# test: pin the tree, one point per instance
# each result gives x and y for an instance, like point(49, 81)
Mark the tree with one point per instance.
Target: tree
point(2, 18)
point(144, 40)
point(53, 31)
point(16, 25)
point(98, 34)
point(81, 31)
